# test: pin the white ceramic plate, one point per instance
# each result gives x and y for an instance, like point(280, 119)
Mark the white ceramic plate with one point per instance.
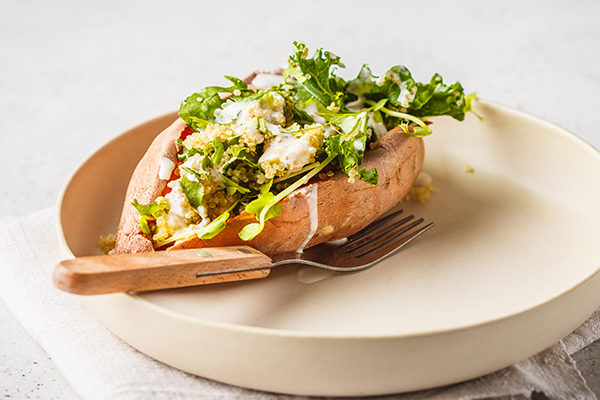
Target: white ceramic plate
point(510, 267)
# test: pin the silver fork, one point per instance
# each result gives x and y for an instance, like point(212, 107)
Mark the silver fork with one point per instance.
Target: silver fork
point(357, 252)
point(192, 267)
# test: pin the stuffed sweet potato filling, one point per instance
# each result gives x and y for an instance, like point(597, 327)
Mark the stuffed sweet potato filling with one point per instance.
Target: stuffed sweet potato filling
point(245, 150)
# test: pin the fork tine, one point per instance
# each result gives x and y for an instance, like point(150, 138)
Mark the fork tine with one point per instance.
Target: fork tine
point(375, 230)
point(380, 232)
point(373, 226)
point(395, 243)
point(383, 240)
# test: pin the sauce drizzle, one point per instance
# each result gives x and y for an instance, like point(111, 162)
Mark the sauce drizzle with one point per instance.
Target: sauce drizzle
point(312, 199)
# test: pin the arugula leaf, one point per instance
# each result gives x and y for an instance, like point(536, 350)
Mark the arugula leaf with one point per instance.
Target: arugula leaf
point(145, 228)
point(194, 191)
point(185, 152)
point(153, 209)
point(371, 176)
point(231, 187)
point(198, 110)
point(238, 85)
point(240, 153)
point(207, 232)
point(314, 76)
point(200, 174)
point(149, 212)
point(218, 153)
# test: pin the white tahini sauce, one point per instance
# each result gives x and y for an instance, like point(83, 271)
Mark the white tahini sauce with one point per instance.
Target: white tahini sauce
point(293, 152)
point(229, 111)
point(312, 110)
point(406, 96)
point(378, 127)
point(312, 199)
point(356, 105)
point(338, 242)
point(166, 166)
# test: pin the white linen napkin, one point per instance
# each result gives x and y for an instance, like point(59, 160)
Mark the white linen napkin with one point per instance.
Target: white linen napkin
point(100, 366)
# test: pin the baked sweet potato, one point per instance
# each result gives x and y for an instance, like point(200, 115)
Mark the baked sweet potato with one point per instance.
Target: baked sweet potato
point(292, 165)
point(343, 207)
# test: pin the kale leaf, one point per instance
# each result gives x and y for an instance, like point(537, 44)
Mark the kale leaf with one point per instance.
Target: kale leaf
point(350, 145)
point(405, 94)
point(314, 76)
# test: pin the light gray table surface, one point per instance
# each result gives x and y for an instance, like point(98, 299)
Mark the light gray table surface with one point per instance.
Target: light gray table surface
point(75, 74)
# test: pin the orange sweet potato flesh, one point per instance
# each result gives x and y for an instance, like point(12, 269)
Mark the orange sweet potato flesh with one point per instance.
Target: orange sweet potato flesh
point(343, 207)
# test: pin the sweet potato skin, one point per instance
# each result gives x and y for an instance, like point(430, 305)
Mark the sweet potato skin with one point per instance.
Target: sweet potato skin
point(343, 207)
point(145, 186)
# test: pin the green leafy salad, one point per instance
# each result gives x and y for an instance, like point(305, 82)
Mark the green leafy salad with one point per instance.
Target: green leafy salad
point(248, 149)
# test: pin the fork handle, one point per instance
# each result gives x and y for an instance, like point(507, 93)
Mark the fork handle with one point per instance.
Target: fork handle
point(159, 270)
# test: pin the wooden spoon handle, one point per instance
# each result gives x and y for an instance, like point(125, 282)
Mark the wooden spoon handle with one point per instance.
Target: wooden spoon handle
point(158, 270)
